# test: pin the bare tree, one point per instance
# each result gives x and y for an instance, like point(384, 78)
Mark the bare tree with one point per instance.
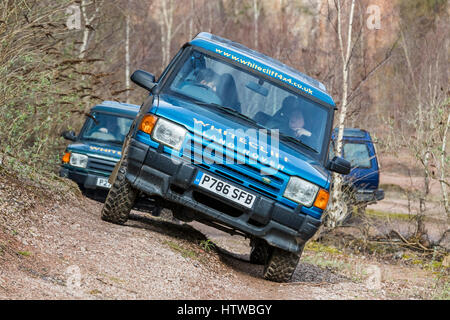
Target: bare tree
point(167, 9)
point(256, 11)
point(127, 56)
point(349, 87)
point(423, 130)
point(338, 208)
point(88, 21)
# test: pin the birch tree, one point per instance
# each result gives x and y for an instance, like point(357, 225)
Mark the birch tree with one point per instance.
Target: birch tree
point(338, 209)
point(167, 9)
point(256, 11)
point(87, 27)
point(347, 42)
point(127, 56)
point(169, 30)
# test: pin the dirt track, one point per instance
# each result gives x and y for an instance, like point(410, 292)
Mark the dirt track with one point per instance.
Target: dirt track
point(57, 247)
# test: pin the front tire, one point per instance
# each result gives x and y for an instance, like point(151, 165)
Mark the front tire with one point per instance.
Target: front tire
point(281, 265)
point(120, 198)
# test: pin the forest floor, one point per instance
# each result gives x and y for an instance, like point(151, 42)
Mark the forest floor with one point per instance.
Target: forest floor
point(53, 245)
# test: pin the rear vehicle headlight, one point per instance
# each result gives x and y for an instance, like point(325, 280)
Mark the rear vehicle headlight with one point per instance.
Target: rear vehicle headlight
point(301, 191)
point(78, 160)
point(169, 133)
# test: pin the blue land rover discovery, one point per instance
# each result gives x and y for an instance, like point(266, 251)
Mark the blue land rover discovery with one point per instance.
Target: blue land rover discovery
point(361, 185)
point(92, 156)
point(236, 140)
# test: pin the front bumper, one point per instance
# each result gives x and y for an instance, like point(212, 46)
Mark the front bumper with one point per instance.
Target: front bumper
point(369, 196)
point(172, 180)
point(84, 179)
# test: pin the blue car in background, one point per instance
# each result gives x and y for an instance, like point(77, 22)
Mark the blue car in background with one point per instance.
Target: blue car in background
point(94, 152)
point(362, 183)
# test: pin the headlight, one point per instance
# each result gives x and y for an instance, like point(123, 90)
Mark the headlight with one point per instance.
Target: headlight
point(169, 133)
point(78, 160)
point(301, 191)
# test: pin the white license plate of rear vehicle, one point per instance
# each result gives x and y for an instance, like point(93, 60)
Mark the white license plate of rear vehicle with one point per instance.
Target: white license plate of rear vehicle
point(225, 189)
point(103, 182)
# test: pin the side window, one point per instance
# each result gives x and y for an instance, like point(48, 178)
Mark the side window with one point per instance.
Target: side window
point(357, 154)
point(331, 153)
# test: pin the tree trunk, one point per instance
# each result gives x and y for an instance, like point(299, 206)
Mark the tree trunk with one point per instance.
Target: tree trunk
point(442, 177)
point(191, 20)
point(255, 22)
point(338, 210)
point(127, 57)
point(166, 30)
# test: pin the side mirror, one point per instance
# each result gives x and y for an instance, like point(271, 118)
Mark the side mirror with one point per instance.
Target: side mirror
point(339, 165)
point(69, 135)
point(143, 79)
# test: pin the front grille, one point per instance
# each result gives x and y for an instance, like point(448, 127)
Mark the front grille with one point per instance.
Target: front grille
point(101, 164)
point(246, 174)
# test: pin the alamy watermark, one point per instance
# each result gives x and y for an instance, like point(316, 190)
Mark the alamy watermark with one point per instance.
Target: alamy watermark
point(73, 21)
point(373, 22)
point(373, 281)
point(73, 280)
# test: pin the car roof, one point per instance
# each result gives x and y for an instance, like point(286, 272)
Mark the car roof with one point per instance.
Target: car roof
point(117, 107)
point(353, 133)
point(261, 62)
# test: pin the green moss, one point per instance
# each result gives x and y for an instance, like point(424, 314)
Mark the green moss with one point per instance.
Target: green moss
point(387, 215)
point(324, 262)
point(319, 247)
point(95, 291)
point(185, 253)
point(24, 253)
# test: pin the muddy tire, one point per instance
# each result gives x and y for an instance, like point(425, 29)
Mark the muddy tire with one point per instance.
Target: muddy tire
point(280, 265)
point(259, 252)
point(120, 199)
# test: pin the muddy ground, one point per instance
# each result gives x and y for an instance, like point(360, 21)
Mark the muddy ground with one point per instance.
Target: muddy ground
point(53, 245)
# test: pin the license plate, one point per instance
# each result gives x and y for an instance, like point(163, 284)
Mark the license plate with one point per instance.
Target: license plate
point(225, 189)
point(103, 182)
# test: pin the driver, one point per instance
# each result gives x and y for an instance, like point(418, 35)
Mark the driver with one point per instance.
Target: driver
point(290, 119)
point(107, 129)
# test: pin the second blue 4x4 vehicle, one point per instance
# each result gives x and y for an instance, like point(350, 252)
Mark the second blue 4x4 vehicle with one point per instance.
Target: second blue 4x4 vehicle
point(236, 140)
point(94, 152)
point(361, 185)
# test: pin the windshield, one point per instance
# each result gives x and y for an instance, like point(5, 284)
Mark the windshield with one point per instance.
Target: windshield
point(210, 80)
point(106, 128)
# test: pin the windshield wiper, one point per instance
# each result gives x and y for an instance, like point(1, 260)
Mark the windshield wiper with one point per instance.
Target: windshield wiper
point(101, 141)
point(296, 141)
point(113, 141)
point(229, 111)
